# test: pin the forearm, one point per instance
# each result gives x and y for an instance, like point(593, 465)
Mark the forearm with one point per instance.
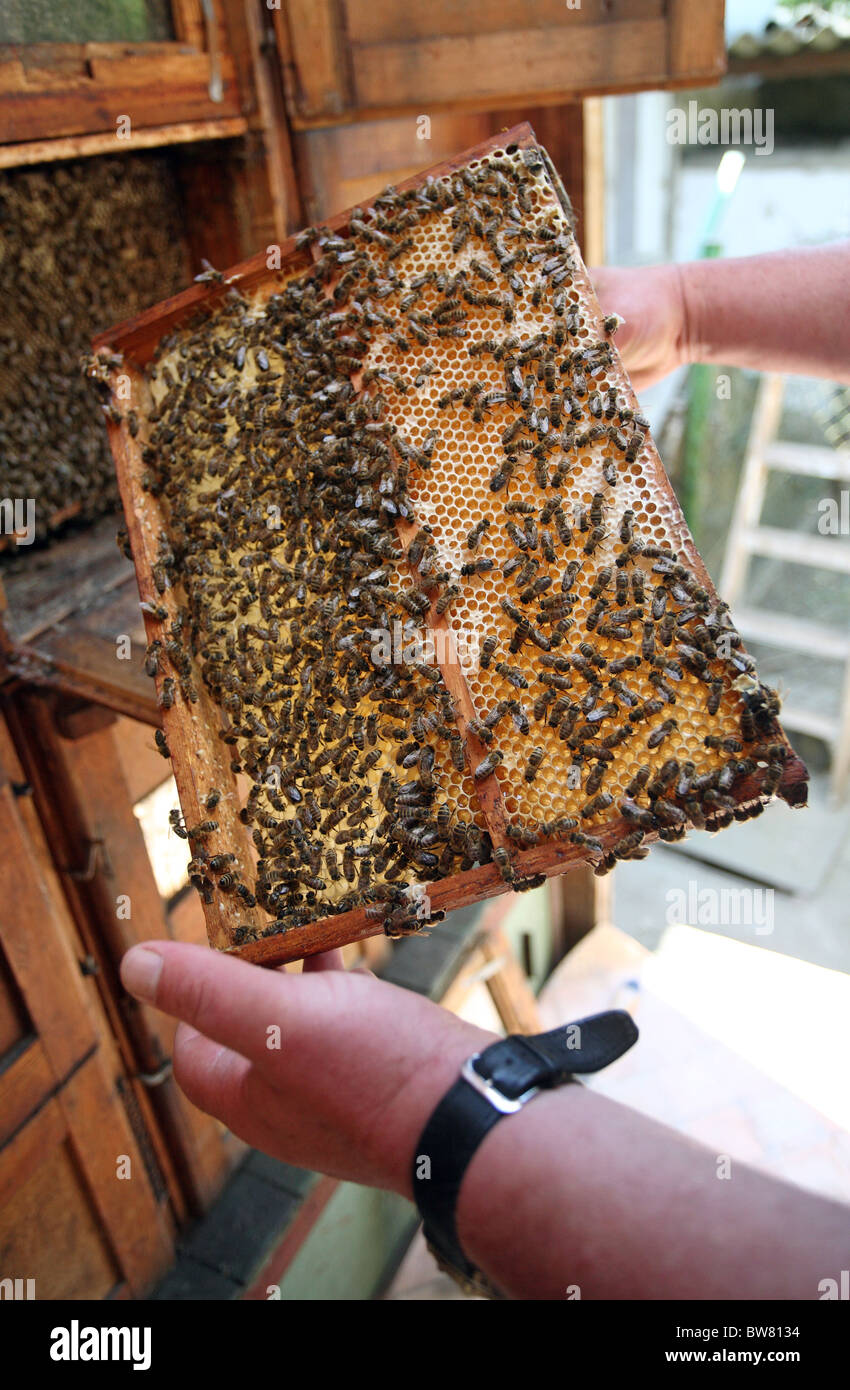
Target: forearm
point(579, 1191)
point(788, 311)
point(573, 1190)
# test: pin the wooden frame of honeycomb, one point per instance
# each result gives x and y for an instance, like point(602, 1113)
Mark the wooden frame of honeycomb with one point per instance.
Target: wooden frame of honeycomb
point(427, 365)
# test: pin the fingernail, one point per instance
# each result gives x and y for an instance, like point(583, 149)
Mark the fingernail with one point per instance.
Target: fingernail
point(140, 972)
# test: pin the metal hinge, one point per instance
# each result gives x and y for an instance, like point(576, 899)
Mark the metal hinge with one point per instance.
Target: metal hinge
point(155, 1078)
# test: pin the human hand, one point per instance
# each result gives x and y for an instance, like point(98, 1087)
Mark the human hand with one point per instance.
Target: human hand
point(653, 340)
point(359, 1066)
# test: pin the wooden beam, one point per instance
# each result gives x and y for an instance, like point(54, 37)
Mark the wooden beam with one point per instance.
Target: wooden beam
point(145, 87)
point(104, 142)
point(696, 41)
point(355, 59)
point(318, 46)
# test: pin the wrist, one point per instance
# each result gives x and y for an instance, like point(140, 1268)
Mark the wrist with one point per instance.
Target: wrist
point(687, 297)
point(498, 1086)
point(427, 1082)
point(504, 1210)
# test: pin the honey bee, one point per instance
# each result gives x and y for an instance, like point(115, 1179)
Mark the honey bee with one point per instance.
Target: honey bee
point(488, 765)
point(594, 540)
point(535, 758)
point(587, 842)
point(446, 599)
point(480, 730)
point(595, 777)
point(502, 861)
point(477, 532)
point(657, 737)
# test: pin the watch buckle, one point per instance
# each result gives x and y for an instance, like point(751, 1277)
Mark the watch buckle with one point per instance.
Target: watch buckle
point(490, 1091)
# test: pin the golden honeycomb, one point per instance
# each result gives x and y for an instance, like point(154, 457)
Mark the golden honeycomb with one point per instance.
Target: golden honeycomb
point(436, 415)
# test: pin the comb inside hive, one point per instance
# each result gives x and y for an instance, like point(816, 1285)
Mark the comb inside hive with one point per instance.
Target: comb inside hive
point(425, 617)
point(80, 244)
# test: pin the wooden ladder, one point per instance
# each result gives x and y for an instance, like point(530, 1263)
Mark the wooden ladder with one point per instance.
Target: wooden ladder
point(747, 537)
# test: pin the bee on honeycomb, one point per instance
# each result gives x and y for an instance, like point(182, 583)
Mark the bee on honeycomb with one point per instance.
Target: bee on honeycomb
point(426, 570)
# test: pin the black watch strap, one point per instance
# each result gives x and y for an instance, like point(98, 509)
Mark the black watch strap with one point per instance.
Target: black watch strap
point(492, 1084)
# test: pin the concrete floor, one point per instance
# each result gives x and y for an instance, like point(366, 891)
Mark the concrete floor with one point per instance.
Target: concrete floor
point(812, 924)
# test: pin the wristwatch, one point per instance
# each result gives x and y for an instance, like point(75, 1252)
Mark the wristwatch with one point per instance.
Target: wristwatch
point(493, 1084)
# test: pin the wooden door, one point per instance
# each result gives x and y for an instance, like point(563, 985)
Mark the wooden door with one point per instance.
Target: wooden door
point(87, 773)
point(83, 1207)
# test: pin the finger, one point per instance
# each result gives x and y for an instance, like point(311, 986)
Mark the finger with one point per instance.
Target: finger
point(226, 999)
point(327, 960)
point(223, 1084)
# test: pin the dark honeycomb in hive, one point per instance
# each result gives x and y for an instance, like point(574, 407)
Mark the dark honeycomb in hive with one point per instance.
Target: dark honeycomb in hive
point(82, 244)
point(309, 464)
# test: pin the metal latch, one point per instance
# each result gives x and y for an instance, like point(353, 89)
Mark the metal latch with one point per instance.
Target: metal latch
point(211, 25)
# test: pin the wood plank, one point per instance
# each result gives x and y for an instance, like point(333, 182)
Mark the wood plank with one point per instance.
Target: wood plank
point(198, 756)
point(796, 634)
point(347, 165)
point(591, 214)
point(284, 191)
point(15, 1024)
point(63, 605)
point(55, 998)
point(137, 1228)
point(753, 482)
point(382, 21)
point(697, 40)
point(808, 460)
point(94, 769)
point(462, 72)
point(797, 548)
point(25, 1080)
point(72, 574)
point(354, 59)
point(22, 1154)
point(88, 900)
point(126, 66)
point(103, 142)
point(512, 994)
point(75, 662)
point(150, 92)
point(142, 766)
point(50, 1231)
point(488, 67)
point(323, 85)
point(188, 20)
point(578, 904)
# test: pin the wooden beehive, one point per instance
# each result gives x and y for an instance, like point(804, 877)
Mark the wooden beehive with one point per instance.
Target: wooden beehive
point(458, 324)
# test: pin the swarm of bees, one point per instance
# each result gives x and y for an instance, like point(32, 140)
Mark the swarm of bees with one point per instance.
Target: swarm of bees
point(428, 429)
point(82, 244)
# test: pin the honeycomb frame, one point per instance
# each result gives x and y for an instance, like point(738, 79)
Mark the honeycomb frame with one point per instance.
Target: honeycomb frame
point(506, 797)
